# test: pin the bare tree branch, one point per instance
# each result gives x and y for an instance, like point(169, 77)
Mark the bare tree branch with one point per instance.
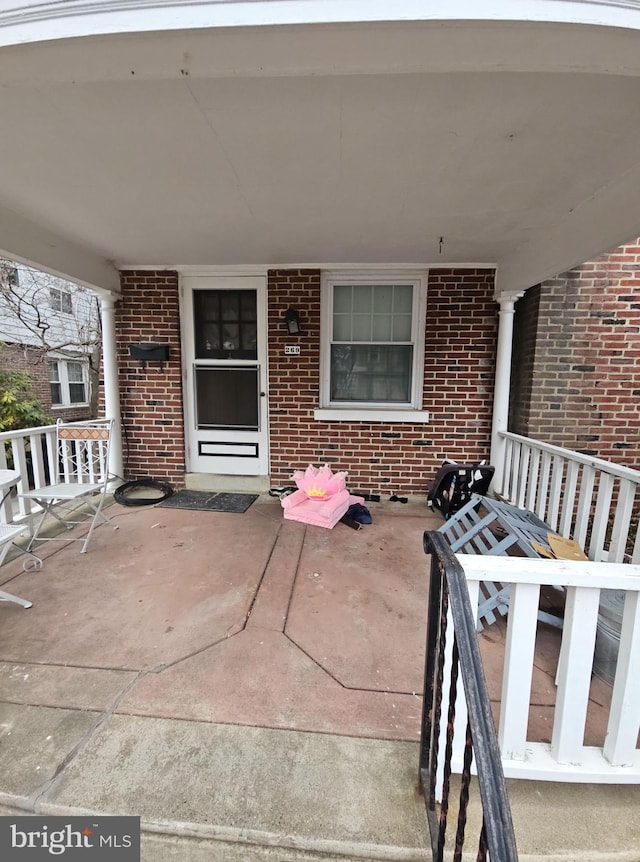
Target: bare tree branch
point(29, 297)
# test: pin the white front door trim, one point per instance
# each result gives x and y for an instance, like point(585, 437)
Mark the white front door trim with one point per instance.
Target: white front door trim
point(224, 451)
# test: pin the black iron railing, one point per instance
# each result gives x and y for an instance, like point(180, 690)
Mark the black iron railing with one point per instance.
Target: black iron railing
point(448, 591)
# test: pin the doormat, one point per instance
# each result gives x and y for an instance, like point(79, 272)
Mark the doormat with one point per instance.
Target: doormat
point(209, 502)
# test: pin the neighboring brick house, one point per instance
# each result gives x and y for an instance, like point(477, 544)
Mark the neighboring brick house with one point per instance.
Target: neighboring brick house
point(432, 399)
point(50, 328)
point(576, 359)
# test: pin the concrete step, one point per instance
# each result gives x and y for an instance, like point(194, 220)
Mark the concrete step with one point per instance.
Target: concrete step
point(220, 482)
point(228, 792)
point(218, 792)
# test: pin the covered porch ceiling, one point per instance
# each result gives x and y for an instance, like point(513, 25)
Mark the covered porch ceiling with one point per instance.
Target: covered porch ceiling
point(518, 144)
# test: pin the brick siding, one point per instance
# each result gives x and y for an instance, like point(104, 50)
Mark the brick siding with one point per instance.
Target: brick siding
point(380, 457)
point(584, 381)
point(385, 457)
point(525, 331)
point(151, 397)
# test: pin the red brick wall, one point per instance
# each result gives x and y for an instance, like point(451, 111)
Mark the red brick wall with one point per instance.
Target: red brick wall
point(380, 457)
point(15, 357)
point(151, 397)
point(525, 331)
point(585, 388)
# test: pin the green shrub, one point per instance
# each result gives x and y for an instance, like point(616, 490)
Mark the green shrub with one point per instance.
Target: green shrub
point(19, 407)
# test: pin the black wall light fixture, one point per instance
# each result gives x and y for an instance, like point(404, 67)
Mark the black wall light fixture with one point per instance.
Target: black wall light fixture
point(292, 319)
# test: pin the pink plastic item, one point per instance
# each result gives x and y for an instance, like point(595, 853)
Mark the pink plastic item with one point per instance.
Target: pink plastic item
point(321, 499)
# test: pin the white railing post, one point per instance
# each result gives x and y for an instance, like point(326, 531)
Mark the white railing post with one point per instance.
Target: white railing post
point(504, 351)
point(518, 670)
point(624, 716)
point(574, 674)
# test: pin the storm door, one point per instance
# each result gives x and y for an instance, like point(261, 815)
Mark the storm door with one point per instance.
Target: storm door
point(225, 358)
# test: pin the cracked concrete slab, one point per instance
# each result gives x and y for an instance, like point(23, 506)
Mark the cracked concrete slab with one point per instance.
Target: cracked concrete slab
point(259, 671)
point(34, 743)
point(67, 687)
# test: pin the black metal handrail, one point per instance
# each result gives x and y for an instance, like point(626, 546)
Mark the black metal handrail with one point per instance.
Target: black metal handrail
point(448, 591)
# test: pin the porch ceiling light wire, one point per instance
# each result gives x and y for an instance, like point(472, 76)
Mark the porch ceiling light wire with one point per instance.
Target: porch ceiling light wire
point(123, 494)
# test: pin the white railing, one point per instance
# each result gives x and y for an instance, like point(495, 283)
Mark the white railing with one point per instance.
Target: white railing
point(33, 455)
point(565, 758)
point(588, 499)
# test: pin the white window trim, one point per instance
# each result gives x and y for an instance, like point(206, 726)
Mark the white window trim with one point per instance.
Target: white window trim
point(354, 412)
point(63, 380)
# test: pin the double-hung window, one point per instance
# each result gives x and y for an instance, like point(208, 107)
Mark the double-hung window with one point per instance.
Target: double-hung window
point(68, 381)
point(373, 346)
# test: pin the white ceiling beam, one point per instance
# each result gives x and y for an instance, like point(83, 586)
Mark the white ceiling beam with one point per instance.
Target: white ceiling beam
point(36, 246)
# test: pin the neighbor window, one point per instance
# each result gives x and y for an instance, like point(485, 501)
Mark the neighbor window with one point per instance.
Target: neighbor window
point(60, 300)
point(10, 274)
point(373, 341)
point(68, 381)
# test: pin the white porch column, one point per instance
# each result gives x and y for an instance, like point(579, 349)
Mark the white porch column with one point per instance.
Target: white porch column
point(504, 351)
point(111, 387)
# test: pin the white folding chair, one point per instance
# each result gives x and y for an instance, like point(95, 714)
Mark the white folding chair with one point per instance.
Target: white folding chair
point(82, 475)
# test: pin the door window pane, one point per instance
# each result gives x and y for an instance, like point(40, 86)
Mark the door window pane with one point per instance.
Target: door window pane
point(225, 324)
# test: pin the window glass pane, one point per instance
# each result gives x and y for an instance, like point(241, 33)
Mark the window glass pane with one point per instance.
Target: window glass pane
point(230, 336)
point(342, 327)
point(383, 298)
point(207, 304)
point(66, 303)
point(77, 393)
point(371, 373)
point(361, 327)
point(211, 336)
point(54, 373)
point(249, 337)
point(401, 327)
point(402, 298)
point(230, 306)
point(248, 305)
point(342, 299)
point(381, 328)
point(56, 393)
point(74, 372)
point(362, 299)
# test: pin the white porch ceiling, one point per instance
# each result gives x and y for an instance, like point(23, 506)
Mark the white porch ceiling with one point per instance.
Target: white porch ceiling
point(518, 144)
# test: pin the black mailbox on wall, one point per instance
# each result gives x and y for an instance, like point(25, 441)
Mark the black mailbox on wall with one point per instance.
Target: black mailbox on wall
point(149, 352)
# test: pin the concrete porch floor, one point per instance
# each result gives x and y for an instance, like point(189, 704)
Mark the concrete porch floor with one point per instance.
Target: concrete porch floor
point(251, 688)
